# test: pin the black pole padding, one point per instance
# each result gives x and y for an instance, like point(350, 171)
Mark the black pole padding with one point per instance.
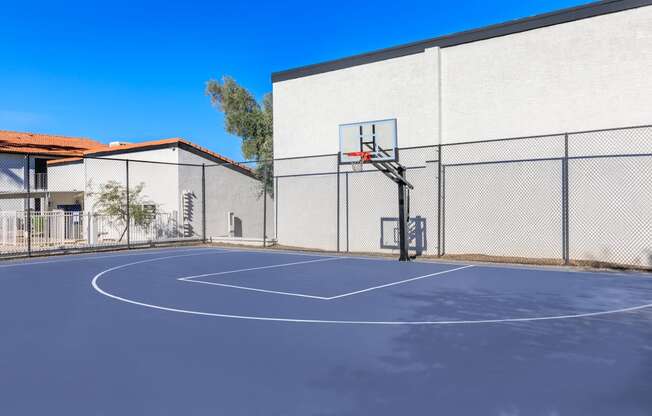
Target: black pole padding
point(402, 220)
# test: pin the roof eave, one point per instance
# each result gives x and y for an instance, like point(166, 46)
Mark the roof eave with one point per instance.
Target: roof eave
point(497, 30)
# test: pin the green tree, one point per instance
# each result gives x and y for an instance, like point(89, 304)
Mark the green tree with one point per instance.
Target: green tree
point(248, 119)
point(111, 200)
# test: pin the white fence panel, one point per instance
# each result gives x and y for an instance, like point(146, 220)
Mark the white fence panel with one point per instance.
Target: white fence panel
point(60, 230)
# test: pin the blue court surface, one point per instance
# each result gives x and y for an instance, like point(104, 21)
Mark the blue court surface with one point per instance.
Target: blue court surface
point(213, 331)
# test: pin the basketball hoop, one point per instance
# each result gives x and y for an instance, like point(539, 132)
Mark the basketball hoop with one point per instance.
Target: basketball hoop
point(364, 157)
point(375, 142)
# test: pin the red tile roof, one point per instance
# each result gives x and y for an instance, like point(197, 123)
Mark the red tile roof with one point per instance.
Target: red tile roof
point(75, 147)
point(54, 145)
point(163, 142)
point(18, 142)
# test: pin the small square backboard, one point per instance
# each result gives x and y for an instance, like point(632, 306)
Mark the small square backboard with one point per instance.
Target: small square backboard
point(377, 137)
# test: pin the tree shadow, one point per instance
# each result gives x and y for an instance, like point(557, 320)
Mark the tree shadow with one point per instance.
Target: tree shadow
point(597, 366)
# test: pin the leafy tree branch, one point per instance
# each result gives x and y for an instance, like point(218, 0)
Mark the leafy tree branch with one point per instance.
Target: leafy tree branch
point(248, 119)
point(111, 201)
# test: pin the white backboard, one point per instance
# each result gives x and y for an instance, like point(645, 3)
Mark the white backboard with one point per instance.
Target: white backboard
point(377, 137)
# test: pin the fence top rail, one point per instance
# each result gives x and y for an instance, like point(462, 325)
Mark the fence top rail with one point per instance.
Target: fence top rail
point(115, 159)
point(469, 142)
point(258, 161)
point(547, 136)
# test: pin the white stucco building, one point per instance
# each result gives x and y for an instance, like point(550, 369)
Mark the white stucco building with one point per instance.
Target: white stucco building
point(579, 69)
point(170, 174)
point(194, 193)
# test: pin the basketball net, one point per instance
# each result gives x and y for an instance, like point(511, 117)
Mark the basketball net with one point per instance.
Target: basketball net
point(364, 157)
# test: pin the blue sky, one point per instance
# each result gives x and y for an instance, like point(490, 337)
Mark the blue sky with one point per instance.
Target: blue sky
point(135, 70)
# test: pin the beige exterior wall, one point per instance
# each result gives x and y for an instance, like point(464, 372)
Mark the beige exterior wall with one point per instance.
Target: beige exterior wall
point(67, 177)
point(584, 75)
point(308, 111)
point(159, 182)
point(227, 190)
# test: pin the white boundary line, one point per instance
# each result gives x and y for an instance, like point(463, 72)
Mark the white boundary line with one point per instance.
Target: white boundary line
point(125, 254)
point(253, 250)
point(399, 282)
point(188, 278)
point(140, 252)
point(192, 280)
point(253, 289)
point(451, 262)
point(96, 286)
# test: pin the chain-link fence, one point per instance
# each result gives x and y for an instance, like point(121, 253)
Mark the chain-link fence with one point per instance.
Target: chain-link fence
point(576, 198)
point(581, 198)
point(240, 203)
point(504, 198)
point(52, 204)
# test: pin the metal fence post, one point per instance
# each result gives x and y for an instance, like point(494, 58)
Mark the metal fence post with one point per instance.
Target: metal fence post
point(443, 210)
point(276, 210)
point(265, 170)
point(203, 202)
point(403, 215)
point(347, 209)
point(338, 208)
point(565, 222)
point(28, 224)
point(128, 207)
point(439, 251)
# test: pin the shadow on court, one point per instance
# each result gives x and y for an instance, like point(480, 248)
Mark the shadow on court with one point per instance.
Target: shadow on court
point(589, 366)
point(67, 349)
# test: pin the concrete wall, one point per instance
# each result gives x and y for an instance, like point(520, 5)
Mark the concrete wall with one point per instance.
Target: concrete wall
point(67, 178)
point(584, 75)
point(66, 185)
point(227, 190)
point(610, 210)
point(157, 180)
point(308, 111)
point(11, 205)
point(65, 198)
point(309, 209)
point(97, 173)
point(173, 188)
point(12, 172)
point(12, 179)
point(510, 209)
point(370, 206)
point(307, 114)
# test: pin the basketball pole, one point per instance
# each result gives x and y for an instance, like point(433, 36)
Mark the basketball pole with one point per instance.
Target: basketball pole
point(386, 161)
point(402, 219)
point(396, 172)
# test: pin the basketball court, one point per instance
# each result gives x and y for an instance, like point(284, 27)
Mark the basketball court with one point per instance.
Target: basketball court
point(185, 330)
point(333, 260)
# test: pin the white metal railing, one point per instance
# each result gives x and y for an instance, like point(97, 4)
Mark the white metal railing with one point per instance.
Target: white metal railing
point(59, 229)
point(40, 182)
point(8, 228)
point(163, 226)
